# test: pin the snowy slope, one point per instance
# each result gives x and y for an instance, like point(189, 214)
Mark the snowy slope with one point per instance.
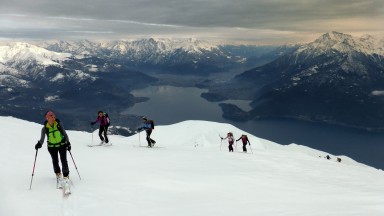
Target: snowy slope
point(343, 43)
point(158, 46)
point(24, 52)
point(186, 174)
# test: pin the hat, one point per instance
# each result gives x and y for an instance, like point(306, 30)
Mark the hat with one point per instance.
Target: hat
point(49, 114)
point(144, 118)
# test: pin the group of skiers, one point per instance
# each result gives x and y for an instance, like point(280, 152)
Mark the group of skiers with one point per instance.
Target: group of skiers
point(58, 141)
point(244, 139)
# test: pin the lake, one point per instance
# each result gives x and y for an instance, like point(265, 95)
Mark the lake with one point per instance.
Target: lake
point(168, 105)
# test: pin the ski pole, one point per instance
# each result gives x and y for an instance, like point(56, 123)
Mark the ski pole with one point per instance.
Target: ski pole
point(33, 170)
point(92, 133)
point(75, 165)
point(221, 142)
point(250, 146)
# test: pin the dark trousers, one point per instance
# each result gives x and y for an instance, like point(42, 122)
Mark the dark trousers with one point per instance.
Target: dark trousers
point(55, 152)
point(103, 130)
point(230, 147)
point(245, 147)
point(148, 138)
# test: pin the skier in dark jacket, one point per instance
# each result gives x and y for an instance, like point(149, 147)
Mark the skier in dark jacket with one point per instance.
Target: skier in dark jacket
point(58, 144)
point(231, 140)
point(148, 126)
point(103, 120)
point(245, 141)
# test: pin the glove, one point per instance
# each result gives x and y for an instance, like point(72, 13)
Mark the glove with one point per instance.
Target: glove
point(38, 145)
point(68, 146)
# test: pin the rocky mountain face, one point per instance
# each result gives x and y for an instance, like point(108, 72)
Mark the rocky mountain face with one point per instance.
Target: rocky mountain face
point(337, 79)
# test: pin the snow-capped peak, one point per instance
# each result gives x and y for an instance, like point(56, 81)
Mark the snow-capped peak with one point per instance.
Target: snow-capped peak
point(154, 45)
point(344, 43)
point(22, 52)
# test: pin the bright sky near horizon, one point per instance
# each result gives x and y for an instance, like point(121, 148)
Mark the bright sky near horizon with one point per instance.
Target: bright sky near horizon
point(244, 21)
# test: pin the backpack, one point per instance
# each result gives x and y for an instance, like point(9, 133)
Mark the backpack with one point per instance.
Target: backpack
point(244, 138)
point(58, 128)
point(107, 118)
point(152, 124)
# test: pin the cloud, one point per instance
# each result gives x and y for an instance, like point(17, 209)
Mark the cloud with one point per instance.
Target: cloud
point(174, 17)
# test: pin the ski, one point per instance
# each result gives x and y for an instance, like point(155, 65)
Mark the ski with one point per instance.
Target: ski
point(66, 188)
point(107, 144)
point(104, 144)
point(93, 145)
point(59, 185)
point(154, 147)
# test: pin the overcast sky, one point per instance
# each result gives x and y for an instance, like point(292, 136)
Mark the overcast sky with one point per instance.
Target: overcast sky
point(240, 21)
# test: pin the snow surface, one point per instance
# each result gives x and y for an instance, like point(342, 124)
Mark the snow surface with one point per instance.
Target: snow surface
point(186, 174)
point(161, 46)
point(21, 52)
point(344, 43)
point(378, 93)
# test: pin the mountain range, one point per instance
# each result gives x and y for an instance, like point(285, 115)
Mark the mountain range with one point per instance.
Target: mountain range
point(336, 79)
point(74, 77)
point(180, 56)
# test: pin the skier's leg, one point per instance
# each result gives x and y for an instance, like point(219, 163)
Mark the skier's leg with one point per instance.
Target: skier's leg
point(105, 134)
point(149, 141)
point(55, 159)
point(101, 129)
point(64, 162)
point(230, 148)
point(148, 138)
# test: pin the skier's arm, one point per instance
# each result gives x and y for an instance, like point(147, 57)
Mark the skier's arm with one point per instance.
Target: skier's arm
point(97, 120)
point(42, 137)
point(63, 132)
point(142, 126)
point(146, 126)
